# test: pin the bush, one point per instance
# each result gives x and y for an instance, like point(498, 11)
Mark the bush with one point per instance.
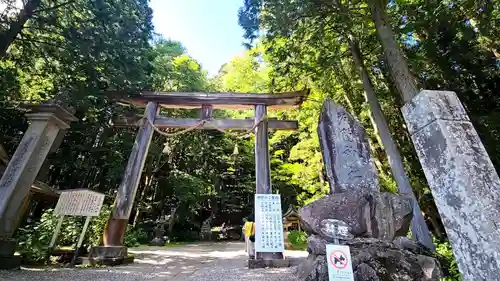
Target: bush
point(34, 238)
point(298, 239)
point(134, 237)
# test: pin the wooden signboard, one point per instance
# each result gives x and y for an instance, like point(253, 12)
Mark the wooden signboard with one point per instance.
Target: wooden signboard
point(76, 202)
point(80, 202)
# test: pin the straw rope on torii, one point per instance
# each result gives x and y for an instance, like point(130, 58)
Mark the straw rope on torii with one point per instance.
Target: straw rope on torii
point(200, 124)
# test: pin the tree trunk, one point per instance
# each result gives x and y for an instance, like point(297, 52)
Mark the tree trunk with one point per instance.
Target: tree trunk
point(345, 81)
point(398, 67)
point(419, 227)
point(8, 36)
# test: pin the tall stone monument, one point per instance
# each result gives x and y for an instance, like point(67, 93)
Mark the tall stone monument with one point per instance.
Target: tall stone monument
point(462, 179)
point(357, 214)
point(343, 144)
point(46, 121)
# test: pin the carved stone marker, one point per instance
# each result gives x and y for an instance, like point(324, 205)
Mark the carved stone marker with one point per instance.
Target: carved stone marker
point(45, 123)
point(346, 152)
point(462, 179)
point(159, 231)
point(335, 229)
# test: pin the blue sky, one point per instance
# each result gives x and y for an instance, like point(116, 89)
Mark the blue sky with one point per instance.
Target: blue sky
point(207, 28)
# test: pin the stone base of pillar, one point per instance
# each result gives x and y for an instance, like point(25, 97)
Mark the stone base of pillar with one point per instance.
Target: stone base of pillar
point(8, 259)
point(276, 263)
point(108, 255)
point(269, 256)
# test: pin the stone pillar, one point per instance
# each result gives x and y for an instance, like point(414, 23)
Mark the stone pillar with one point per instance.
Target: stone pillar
point(345, 150)
point(46, 121)
point(117, 224)
point(462, 179)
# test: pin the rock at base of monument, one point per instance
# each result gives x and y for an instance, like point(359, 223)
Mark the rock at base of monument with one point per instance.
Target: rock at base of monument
point(376, 260)
point(367, 213)
point(316, 245)
point(157, 241)
point(314, 268)
point(94, 261)
point(7, 247)
point(277, 263)
point(10, 262)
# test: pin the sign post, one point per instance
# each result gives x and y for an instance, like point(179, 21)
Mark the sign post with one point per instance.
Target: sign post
point(269, 224)
point(54, 238)
point(77, 202)
point(339, 263)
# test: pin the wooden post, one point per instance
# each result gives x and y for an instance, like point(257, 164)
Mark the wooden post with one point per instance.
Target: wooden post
point(80, 241)
point(262, 166)
point(117, 224)
point(54, 239)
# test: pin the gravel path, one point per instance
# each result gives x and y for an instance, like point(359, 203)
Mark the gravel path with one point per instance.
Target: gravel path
point(192, 262)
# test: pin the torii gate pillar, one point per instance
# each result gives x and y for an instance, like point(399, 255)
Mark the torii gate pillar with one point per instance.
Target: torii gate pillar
point(262, 165)
point(263, 168)
point(116, 227)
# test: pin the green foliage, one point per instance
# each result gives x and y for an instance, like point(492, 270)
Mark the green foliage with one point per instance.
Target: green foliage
point(134, 237)
point(35, 237)
point(298, 239)
point(448, 261)
point(96, 227)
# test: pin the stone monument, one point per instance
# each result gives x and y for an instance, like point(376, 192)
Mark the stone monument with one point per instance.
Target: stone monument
point(46, 122)
point(373, 223)
point(343, 144)
point(462, 179)
point(159, 239)
point(206, 230)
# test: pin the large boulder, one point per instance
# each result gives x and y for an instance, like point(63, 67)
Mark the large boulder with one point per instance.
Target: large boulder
point(368, 213)
point(376, 260)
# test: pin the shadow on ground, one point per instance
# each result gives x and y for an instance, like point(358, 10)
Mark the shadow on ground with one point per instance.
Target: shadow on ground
point(190, 262)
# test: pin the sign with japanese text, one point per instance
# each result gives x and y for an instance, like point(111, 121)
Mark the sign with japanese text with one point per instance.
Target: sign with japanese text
point(79, 202)
point(268, 223)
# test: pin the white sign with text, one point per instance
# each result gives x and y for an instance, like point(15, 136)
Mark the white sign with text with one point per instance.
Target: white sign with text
point(79, 202)
point(268, 224)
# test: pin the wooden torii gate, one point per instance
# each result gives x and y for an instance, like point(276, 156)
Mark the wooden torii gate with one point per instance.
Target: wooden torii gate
point(117, 224)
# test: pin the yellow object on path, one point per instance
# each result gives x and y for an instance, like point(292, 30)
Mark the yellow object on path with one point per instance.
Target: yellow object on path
point(249, 228)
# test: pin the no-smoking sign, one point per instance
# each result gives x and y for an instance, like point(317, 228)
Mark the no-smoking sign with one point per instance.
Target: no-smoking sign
point(339, 263)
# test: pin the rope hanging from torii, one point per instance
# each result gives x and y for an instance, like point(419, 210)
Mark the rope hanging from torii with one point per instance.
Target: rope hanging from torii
point(203, 122)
